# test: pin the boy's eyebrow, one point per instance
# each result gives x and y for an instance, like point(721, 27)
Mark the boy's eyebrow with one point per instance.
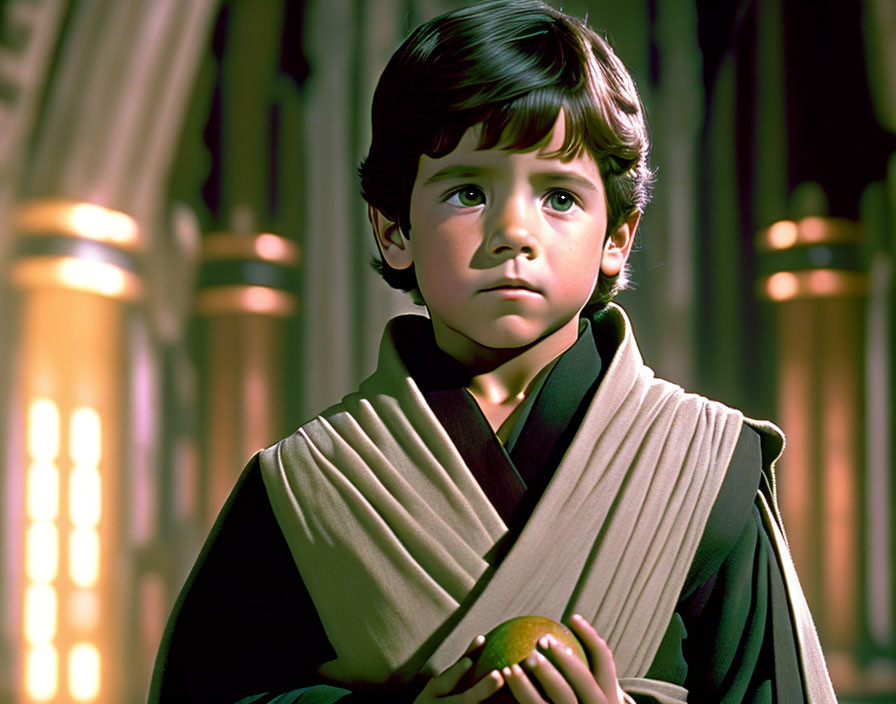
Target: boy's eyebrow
point(456, 171)
point(462, 171)
point(568, 177)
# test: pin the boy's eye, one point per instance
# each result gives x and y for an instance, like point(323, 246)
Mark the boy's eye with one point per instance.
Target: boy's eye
point(467, 197)
point(561, 201)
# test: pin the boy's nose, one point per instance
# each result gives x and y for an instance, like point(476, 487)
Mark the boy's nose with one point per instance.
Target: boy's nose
point(513, 233)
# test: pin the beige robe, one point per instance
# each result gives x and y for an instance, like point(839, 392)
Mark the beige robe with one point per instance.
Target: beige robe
point(394, 537)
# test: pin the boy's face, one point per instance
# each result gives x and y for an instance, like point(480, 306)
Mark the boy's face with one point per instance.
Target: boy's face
point(507, 245)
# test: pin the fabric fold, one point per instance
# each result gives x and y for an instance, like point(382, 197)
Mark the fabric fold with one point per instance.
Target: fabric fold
point(393, 535)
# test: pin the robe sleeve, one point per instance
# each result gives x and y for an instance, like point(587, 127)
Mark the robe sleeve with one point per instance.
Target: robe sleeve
point(731, 638)
point(244, 627)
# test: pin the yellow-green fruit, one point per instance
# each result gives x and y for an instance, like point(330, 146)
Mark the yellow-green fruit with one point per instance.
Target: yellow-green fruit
point(514, 640)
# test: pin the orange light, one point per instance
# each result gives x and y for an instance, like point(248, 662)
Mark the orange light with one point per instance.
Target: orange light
point(40, 614)
point(823, 282)
point(43, 430)
point(84, 672)
point(84, 496)
point(85, 437)
point(782, 286)
point(783, 234)
point(42, 552)
point(272, 247)
point(92, 276)
point(102, 224)
point(83, 612)
point(42, 491)
point(84, 557)
point(42, 673)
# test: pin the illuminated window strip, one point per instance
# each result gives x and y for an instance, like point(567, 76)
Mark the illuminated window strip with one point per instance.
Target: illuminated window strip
point(42, 673)
point(84, 664)
point(41, 552)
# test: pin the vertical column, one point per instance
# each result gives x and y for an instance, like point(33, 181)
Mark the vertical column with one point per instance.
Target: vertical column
point(246, 298)
point(814, 273)
point(76, 267)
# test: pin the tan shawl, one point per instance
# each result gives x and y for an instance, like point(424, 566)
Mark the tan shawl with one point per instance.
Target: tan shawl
point(394, 537)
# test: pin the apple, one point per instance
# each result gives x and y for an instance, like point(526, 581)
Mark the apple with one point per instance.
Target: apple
point(514, 640)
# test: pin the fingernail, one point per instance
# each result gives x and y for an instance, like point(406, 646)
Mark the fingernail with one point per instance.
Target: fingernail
point(517, 670)
point(545, 642)
point(507, 672)
point(532, 660)
point(479, 640)
point(578, 617)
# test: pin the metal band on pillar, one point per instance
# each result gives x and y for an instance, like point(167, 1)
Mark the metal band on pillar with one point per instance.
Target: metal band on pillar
point(814, 272)
point(77, 246)
point(77, 267)
point(814, 257)
point(246, 297)
point(248, 274)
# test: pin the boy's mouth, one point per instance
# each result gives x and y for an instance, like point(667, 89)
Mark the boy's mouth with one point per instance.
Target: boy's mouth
point(511, 285)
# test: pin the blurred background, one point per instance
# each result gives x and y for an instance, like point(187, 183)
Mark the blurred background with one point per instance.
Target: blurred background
point(184, 278)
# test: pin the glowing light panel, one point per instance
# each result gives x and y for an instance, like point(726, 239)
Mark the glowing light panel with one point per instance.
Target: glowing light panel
point(84, 672)
point(40, 614)
point(42, 552)
point(782, 286)
point(42, 491)
point(84, 496)
point(91, 275)
point(43, 430)
point(85, 437)
point(41, 673)
point(83, 610)
point(783, 234)
point(84, 556)
point(102, 224)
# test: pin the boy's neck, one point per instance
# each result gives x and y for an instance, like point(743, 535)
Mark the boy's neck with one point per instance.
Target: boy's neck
point(502, 378)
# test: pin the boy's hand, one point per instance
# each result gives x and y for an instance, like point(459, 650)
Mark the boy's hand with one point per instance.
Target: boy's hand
point(570, 681)
point(442, 688)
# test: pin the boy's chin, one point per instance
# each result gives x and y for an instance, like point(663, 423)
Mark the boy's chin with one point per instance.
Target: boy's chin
point(510, 333)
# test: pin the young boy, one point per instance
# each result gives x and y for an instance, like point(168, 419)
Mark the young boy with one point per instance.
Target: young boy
point(511, 455)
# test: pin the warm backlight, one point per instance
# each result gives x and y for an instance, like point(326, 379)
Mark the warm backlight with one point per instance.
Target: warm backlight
point(41, 673)
point(84, 557)
point(43, 430)
point(42, 552)
point(782, 286)
point(85, 438)
point(98, 223)
point(93, 276)
point(84, 496)
point(84, 672)
point(783, 234)
point(42, 491)
point(40, 614)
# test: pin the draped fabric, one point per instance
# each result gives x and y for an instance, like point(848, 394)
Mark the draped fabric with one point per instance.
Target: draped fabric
point(395, 539)
point(739, 630)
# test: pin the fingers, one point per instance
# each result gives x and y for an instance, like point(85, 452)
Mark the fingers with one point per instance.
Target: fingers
point(483, 689)
point(448, 680)
point(522, 688)
point(440, 688)
point(573, 671)
point(475, 646)
point(602, 664)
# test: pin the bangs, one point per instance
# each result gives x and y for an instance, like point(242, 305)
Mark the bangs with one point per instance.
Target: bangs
point(525, 122)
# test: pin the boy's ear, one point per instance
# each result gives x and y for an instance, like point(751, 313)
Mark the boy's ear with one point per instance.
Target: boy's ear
point(394, 246)
point(619, 245)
